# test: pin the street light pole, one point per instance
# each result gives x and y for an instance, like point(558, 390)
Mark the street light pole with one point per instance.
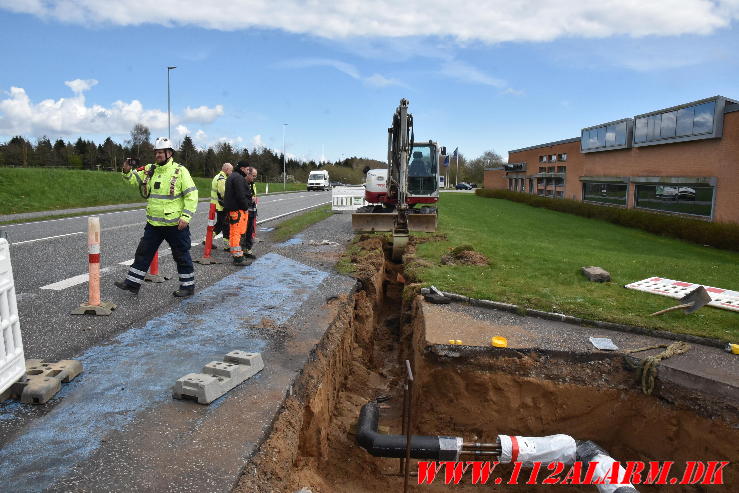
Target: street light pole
point(284, 169)
point(169, 126)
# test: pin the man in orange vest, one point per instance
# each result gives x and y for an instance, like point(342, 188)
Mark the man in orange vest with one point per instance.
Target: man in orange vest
point(237, 202)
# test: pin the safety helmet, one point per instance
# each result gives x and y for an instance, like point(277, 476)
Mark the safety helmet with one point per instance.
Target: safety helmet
point(163, 143)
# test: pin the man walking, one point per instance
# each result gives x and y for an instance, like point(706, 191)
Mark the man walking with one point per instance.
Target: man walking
point(236, 202)
point(217, 193)
point(172, 199)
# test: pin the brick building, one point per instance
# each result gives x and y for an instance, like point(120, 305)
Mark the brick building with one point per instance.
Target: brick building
point(680, 160)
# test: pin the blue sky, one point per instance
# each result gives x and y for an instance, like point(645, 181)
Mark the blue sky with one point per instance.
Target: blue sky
point(484, 75)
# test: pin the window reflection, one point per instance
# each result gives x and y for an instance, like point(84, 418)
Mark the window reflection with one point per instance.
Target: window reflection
point(668, 124)
point(605, 193)
point(703, 121)
point(685, 121)
point(678, 198)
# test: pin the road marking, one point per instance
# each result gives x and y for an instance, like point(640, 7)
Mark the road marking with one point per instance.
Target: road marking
point(291, 212)
point(72, 281)
point(47, 238)
point(72, 234)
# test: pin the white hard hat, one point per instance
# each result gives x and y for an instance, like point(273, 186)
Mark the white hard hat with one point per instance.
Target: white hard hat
point(163, 143)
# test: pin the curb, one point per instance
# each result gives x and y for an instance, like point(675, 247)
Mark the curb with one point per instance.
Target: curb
point(560, 317)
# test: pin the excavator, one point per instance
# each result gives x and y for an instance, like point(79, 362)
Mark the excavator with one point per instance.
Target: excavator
point(401, 197)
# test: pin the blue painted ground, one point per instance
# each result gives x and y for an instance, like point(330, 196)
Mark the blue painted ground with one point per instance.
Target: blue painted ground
point(137, 369)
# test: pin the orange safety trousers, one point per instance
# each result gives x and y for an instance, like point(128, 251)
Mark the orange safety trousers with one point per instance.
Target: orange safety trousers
point(238, 221)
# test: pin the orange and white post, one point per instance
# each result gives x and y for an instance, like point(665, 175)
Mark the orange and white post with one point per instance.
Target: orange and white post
point(206, 258)
point(94, 306)
point(153, 274)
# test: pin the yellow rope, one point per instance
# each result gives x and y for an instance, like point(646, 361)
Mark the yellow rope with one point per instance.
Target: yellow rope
point(649, 367)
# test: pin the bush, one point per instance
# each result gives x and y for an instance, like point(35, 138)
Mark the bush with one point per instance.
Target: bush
point(718, 235)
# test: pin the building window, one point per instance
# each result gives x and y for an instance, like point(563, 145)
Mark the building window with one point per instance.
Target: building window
point(561, 169)
point(605, 193)
point(550, 169)
point(691, 121)
point(680, 198)
point(605, 137)
point(531, 185)
point(542, 169)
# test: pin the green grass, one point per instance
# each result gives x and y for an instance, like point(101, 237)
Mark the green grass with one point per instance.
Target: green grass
point(38, 189)
point(297, 223)
point(536, 255)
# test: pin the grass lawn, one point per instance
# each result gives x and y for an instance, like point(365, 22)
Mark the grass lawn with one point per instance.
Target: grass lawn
point(38, 189)
point(297, 223)
point(536, 255)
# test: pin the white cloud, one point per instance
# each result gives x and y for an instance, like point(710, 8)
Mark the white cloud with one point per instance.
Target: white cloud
point(375, 80)
point(74, 116)
point(80, 86)
point(464, 20)
point(257, 141)
point(182, 130)
point(203, 114)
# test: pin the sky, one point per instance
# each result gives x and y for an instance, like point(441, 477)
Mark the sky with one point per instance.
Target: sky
point(480, 75)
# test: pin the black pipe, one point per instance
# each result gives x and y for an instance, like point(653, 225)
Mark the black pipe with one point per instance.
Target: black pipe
point(422, 447)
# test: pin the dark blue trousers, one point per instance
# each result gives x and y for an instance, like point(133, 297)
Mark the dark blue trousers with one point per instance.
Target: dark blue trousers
point(179, 242)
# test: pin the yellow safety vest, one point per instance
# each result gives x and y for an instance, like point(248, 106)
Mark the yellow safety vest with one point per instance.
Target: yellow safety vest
point(170, 191)
point(218, 190)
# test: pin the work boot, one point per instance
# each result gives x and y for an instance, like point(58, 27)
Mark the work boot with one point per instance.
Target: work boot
point(239, 260)
point(127, 287)
point(184, 292)
point(250, 255)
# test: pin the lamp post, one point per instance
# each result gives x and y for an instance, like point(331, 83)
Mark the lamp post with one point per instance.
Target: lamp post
point(169, 126)
point(284, 169)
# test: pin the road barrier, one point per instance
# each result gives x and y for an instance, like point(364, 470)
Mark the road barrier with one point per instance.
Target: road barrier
point(94, 306)
point(12, 360)
point(206, 259)
point(347, 198)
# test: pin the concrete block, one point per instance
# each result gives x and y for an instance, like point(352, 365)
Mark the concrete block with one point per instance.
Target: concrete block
point(596, 274)
point(218, 377)
point(105, 308)
point(43, 380)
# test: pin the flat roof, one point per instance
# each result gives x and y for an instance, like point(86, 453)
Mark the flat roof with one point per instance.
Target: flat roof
point(548, 144)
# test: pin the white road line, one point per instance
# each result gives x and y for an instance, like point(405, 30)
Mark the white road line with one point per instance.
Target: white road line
point(82, 278)
point(72, 281)
point(72, 234)
point(291, 212)
point(47, 238)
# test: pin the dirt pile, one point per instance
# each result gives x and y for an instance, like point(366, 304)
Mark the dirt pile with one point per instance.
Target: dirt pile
point(464, 255)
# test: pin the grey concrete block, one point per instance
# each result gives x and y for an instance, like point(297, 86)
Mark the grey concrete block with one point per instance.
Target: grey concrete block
point(218, 377)
point(596, 274)
point(43, 380)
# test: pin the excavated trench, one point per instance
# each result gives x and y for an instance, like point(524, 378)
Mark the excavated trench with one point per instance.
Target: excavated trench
point(476, 395)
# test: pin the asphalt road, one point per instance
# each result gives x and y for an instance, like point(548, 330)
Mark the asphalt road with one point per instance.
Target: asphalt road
point(49, 260)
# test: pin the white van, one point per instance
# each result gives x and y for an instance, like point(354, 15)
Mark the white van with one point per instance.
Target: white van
point(318, 180)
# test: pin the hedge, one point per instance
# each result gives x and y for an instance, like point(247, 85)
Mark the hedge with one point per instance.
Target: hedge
point(718, 235)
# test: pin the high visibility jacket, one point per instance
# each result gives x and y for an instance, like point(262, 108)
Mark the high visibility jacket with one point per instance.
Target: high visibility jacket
point(218, 190)
point(170, 191)
point(253, 196)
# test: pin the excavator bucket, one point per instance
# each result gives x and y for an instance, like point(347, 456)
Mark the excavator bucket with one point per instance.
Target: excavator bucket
point(370, 222)
point(422, 223)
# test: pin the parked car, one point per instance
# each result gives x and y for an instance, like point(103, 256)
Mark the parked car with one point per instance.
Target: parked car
point(473, 185)
point(463, 186)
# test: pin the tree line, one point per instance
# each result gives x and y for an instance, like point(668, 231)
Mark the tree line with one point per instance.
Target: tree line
point(205, 162)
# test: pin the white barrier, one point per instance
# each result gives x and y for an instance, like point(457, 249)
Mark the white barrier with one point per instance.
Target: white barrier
point(347, 198)
point(12, 360)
